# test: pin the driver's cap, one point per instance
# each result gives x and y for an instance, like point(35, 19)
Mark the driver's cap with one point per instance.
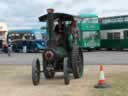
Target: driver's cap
point(50, 10)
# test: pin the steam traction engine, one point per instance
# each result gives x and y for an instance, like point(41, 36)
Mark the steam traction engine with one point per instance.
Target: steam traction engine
point(66, 58)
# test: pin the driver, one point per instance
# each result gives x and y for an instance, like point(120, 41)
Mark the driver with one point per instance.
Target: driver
point(59, 30)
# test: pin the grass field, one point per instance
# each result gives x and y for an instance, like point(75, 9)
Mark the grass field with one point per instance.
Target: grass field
point(116, 76)
point(119, 83)
point(15, 80)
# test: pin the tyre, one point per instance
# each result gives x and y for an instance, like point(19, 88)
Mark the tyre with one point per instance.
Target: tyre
point(81, 63)
point(66, 72)
point(49, 74)
point(36, 71)
point(119, 49)
point(89, 49)
point(5, 49)
point(77, 62)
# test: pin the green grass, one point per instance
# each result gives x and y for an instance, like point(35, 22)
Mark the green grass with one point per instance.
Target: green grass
point(119, 83)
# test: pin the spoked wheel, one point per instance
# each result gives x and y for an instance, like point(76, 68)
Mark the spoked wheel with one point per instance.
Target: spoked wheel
point(77, 62)
point(81, 63)
point(36, 71)
point(49, 75)
point(48, 72)
point(66, 72)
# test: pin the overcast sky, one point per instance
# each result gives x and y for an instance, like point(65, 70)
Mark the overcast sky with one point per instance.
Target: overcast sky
point(25, 13)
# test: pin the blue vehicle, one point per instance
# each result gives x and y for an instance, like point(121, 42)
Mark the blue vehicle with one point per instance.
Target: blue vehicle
point(34, 39)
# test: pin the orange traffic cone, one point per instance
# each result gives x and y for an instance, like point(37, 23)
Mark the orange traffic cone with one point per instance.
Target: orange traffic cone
point(102, 81)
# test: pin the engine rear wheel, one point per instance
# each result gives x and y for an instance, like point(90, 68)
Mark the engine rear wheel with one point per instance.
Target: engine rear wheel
point(81, 62)
point(77, 62)
point(36, 71)
point(49, 75)
point(48, 72)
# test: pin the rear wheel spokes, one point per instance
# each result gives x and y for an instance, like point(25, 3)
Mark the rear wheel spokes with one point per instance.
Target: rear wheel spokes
point(78, 63)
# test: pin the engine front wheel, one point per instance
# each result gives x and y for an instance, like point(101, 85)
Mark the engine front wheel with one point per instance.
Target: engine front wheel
point(36, 71)
point(49, 73)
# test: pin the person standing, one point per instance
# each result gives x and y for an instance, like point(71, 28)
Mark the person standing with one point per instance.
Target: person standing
point(75, 30)
point(9, 47)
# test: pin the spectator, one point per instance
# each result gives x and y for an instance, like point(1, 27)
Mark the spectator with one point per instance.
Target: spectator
point(74, 29)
